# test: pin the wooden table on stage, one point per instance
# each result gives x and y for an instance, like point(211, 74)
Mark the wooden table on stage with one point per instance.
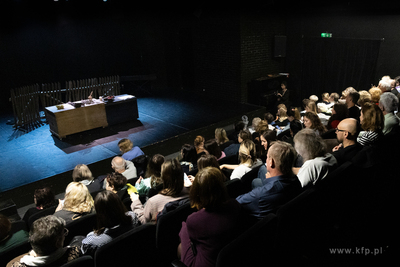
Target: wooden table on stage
point(71, 120)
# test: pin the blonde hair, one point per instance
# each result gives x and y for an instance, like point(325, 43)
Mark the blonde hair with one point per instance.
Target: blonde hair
point(375, 94)
point(81, 172)
point(125, 145)
point(365, 96)
point(247, 152)
point(77, 198)
point(220, 135)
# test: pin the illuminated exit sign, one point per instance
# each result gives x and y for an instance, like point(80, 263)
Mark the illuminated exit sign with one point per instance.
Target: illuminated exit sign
point(326, 35)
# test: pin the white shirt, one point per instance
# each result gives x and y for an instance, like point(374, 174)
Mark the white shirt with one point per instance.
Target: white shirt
point(316, 169)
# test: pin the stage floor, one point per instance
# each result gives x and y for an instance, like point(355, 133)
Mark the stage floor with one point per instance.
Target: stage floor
point(27, 157)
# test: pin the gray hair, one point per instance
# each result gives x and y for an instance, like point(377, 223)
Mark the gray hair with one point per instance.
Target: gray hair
point(309, 145)
point(118, 163)
point(385, 85)
point(389, 102)
point(46, 233)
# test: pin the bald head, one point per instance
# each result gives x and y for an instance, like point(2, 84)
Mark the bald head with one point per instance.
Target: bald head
point(347, 131)
point(349, 125)
point(118, 163)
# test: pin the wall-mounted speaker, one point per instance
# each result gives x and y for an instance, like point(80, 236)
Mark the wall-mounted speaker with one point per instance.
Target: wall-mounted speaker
point(279, 46)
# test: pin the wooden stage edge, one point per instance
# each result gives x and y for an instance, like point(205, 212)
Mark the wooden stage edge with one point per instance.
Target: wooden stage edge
point(23, 195)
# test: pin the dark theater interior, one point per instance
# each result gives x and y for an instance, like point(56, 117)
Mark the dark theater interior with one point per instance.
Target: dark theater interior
point(77, 77)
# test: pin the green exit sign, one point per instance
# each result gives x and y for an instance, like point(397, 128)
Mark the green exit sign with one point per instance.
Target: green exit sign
point(326, 35)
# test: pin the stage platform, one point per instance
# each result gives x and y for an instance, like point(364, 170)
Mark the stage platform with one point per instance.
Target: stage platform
point(34, 159)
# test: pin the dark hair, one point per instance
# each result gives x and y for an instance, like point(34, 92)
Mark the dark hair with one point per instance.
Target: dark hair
point(110, 211)
point(189, 153)
point(5, 227)
point(341, 111)
point(354, 95)
point(269, 117)
point(213, 148)
point(295, 126)
point(270, 136)
point(373, 118)
point(172, 177)
point(154, 169)
point(208, 190)
point(245, 135)
point(316, 123)
point(116, 180)
point(44, 197)
point(207, 161)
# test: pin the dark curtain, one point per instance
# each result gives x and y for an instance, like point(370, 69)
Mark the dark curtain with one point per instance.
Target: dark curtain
point(333, 64)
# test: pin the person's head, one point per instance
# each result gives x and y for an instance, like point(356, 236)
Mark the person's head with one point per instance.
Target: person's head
point(334, 97)
point(213, 148)
point(172, 177)
point(188, 153)
point(268, 117)
point(309, 145)
point(81, 172)
point(312, 121)
point(280, 158)
point(239, 125)
point(352, 98)
point(221, 136)
point(207, 161)
point(244, 135)
point(283, 85)
point(154, 169)
point(348, 129)
point(325, 97)
point(47, 235)
point(385, 85)
point(293, 114)
point(311, 107)
point(115, 181)
point(295, 127)
point(5, 227)
point(44, 197)
point(118, 164)
point(375, 94)
point(365, 96)
point(110, 211)
point(267, 137)
point(313, 98)
point(208, 190)
point(125, 145)
point(77, 198)
point(371, 118)
point(388, 103)
point(247, 152)
point(282, 110)
point(199, 141)
point(255, 122)
point(340, 110)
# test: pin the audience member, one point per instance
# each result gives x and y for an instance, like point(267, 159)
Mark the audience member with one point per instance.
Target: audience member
point(389, 105)
point(282, 118)
point(129, 152)
point(311, 106)
point(317, 163)
point(212, 147)
point(254, 124)
point(269, 118)
point(233, 149)
point(189, 158)
point(279, 185)
point(351, 101)
point(222, 139)
point(346, 134)
point(8, 238)
point(372, 123)
point(47, 240)
point(239, 126)
point(312, 121)
point(124, 167)
point(199, 145)
point(248, 160)
point(172, 176)
point(77, 203)
point(43, 198)
point(214, 225)
point(82, 174)
point(112, 220)
point(118, 184)
point(375, 93)
point(207, 161)
point(325, 98)
point(333, 98)
point(339, 112)
point(153, 175)
point(313, 98)
point(385, 84)
point(365, 96)
point(283, 96)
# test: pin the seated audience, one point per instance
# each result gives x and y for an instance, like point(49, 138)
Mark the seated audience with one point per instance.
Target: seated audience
point(317, 163)
point(346, 134)
point(248, 160)
point(279, 185)
point(375, 93)
point(124, 167)
point(339, 112)
point(82, 174)
point(199, 145)
point(222, 139)
point(189, 158)
point(233, 149)
point(47, 240)
point(172, 176)
point(311, 106)
point(365, 97)
point(43, 198)
point(389, 104)
point(372, 123)
point(77, 203)
point(312, 121)
point(153, 175)
point(325, 98)
point(112, 220)
point(212, 147)
point(239, 126)
point(129, 152)
point(118, 184)
point(268, 120)
point(207, 161)
point(333, 98)
point(254, 124)
point(351, 101)
point(282, 118)
point(9, 238)
point(385, 84)
point(313, 98)
point(214, 225)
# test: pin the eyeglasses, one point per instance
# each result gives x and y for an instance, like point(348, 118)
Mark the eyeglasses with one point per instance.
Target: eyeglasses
point(338, 130)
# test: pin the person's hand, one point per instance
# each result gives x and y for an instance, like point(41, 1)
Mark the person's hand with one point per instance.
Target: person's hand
point(139, 180)
point(191, 178)
point(134, 196)
point(336, 148)
point(222, 166)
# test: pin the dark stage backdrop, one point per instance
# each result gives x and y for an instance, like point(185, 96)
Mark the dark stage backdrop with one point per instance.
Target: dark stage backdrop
point(333, 64)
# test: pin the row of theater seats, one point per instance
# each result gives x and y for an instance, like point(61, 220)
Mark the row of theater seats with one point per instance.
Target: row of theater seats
point(347, 219)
